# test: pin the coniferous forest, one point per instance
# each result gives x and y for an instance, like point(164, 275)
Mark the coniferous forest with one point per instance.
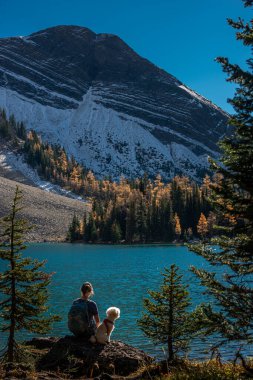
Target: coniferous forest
point(146, 211)
point(132, 211)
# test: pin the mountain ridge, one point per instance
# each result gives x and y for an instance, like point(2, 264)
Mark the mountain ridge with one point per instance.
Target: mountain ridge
point(115, 111)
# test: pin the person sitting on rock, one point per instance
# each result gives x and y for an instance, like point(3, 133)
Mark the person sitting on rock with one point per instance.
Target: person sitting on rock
point(83, 318)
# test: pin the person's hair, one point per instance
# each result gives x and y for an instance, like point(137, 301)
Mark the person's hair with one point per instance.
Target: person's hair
point(87, 288)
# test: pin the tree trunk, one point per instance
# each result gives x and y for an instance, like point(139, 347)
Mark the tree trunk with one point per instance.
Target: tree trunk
point(171, 319)
point(11, 340)
point(170, 349)
point(11, 344)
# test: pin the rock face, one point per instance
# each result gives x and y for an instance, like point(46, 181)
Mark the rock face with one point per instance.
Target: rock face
point(112, 109)
point(70, 354)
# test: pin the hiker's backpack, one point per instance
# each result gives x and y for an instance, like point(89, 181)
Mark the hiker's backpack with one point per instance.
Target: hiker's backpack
point(78, 317)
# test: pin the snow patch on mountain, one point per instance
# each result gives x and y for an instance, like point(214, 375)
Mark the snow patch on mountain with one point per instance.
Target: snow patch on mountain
point(104, 140)
point(201, 98)
point(27, 40)
point(35, 85)
point(12, 161)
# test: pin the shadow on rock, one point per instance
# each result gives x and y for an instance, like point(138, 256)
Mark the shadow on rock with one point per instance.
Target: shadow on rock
point(77, 357)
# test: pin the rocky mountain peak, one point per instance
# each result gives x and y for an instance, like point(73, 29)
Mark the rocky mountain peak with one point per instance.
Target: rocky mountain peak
point(115, 111)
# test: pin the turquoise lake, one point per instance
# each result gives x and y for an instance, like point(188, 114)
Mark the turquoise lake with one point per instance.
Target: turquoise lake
point(121, 276)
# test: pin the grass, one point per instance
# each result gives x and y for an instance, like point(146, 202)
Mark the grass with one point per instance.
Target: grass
point(186, 370)
point(191, 370)
point(181, 369)
point(211, 370)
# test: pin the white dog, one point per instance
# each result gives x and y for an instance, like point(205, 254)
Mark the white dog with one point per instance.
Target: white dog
point(106, 328)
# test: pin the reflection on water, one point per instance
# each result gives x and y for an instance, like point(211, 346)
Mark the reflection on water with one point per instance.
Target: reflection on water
point(121, 276)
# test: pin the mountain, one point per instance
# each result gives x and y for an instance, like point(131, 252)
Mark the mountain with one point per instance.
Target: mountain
point(115, 111)
point(50, 214)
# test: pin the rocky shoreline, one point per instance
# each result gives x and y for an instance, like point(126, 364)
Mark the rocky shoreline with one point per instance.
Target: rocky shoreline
point(73, 358)
point(55, 358)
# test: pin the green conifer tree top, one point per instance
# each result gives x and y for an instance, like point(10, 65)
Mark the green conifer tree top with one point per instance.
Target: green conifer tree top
point(167, 319)
point(23, 283)
point(231, 316)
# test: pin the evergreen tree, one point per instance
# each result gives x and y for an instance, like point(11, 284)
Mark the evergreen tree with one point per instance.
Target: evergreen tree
point(4, 126)
point(171, 234)
point(74, 232)
point(155, 219)
point(21, 131)
point(116, 233)
point(211, 222)
point(130, 222)
point(189, 233)
point(196, 206)
point(178, 229)
point(167, 320)
point(141, 220)
point(232, 197)
point(91, 233)
point(23, 285)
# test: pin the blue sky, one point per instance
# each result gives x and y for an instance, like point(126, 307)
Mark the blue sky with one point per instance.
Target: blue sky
point(181, 36)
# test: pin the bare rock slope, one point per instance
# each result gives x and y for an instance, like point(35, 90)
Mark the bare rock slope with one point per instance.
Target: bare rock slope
point(112, 109)
point(50, 213)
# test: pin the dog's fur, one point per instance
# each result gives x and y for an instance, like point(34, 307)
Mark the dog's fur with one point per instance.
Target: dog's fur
point(102, 336)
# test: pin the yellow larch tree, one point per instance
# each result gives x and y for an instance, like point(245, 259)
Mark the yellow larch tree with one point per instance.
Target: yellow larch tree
point(202, 226)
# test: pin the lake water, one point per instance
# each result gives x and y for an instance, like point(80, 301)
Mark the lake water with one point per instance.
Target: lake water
point(121, 276)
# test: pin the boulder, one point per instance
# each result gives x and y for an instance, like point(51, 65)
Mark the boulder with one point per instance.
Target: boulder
point(41, 343)
point(79, 358)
